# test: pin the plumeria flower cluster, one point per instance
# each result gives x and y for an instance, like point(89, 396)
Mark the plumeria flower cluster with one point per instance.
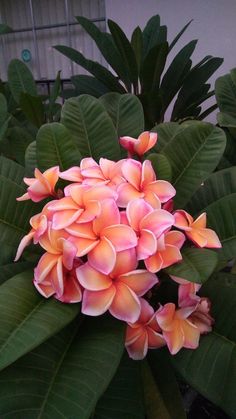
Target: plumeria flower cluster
point(107, 235)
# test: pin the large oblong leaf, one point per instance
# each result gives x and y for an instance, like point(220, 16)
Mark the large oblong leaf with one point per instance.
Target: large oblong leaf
point(11, 269)
point(65, 376)
point(126, 113)
point(221, 218)
point(211, 369)
point(87, 120)
point(123, 397)
point(27, 318)
point(20, 79)
point(218, 185)
point(88, 85)
point(193, 153)
point(197, 265)
point(225, 90)
point(55, 146)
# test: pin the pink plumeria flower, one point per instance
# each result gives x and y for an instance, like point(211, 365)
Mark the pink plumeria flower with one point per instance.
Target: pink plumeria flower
point(201, 316)
point(141, 183)
point(107, 172)
point(102, 238)
point(81, 204)
point(141, 145)
point(42, 186)
point(70, 292)
point(117, 292)
point(187, 292)
point(73, 175)
point(178, 331)
point(168, 251)
point(143, 334)
point(196, 231)
point(149, 225)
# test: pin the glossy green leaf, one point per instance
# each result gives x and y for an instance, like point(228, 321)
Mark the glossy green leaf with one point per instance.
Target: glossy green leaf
point(193, 153)
point(126, 113)
point(221, 218)
point(88, 85)
point(28, 319)
point(14, 217)
point(93, 130)
point(166, 132)
point(225, 91)
point(101, 73)
point(161, 166)
point(3, 109)
point(211, 369)
point(151, 34)
point(32, 106)
point(56, 146)
point(30, 159)
point(137, 45)
point(126, 51)
point(123, 397)
point(106, 45)
point(197, 265)
point(19, 139)
point(215, 187)
point(178, 36)
point(20, 80)
point(165, 379)
point(153, 66)
point(11, 269)
point(176, 72)
point(66, 375)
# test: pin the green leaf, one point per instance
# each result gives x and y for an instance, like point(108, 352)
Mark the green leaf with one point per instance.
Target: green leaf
point(123, 398)
point(20, 79)
point(14, 217)
point(197, 265)
point(66, 375)
point(161, 166)
point(92, 128)
point(164, 375)
point(193, 153)
point(100, 72)
point(137, 45)
point(56, 89)
point(28, 319)
point(221, 218)
point(4, 29)
point(126, 51)
point(56, 146)
point(166, 132)
point(178, 36)
point(3, 109)
point(88, 85)
point(126, 113)
point(12, 269)
point(211, 369)
point(155, 406)
point(153, 66)
point(106, 45)
point(151, 34)
point(30, 159)
point(32, 106)
point(218, 185)
point(19, 139)
point(176, 72)
point(225, 91)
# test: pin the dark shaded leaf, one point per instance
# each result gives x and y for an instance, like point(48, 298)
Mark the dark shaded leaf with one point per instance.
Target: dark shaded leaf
point(178, 36)
point(32, 106)
point(161, 166)
point(20, 80)
point(88, 85)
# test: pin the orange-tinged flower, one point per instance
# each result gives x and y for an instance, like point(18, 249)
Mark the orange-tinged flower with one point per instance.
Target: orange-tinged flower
point(117, 292)
point(107, 172)
point(201, 316)
point(141, 145)
point(168, 251)
point(196, 231)
point(149, 225)
point(143, 334)
point(42, 186)
point(68, 292)
point(141, 183)
point(103, 237)
point(187, 292)
point(178, 331)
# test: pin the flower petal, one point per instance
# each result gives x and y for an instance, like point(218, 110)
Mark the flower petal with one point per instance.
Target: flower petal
point(91, 279)
point(174, 340)
point(147, 244)
point(45, 265)
point(73, 174)
point(127, 193)
point(103, 256)
point(95, 303)
point(121, 236)
point(155, 339)
point(126, 261)
point(125, 305)
point(131, 170)
point(166, 317)
point(154, 263)
point(138, 349)
point(45, 289)
point(136, 210)
point(211, 237)
point(175, 238)
point(109, 215)
point(183, 220)
point(163, 189)
point(140, 281)
point(158, 221)
point(25, 241)
point(191, 335)
point(63, 219)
